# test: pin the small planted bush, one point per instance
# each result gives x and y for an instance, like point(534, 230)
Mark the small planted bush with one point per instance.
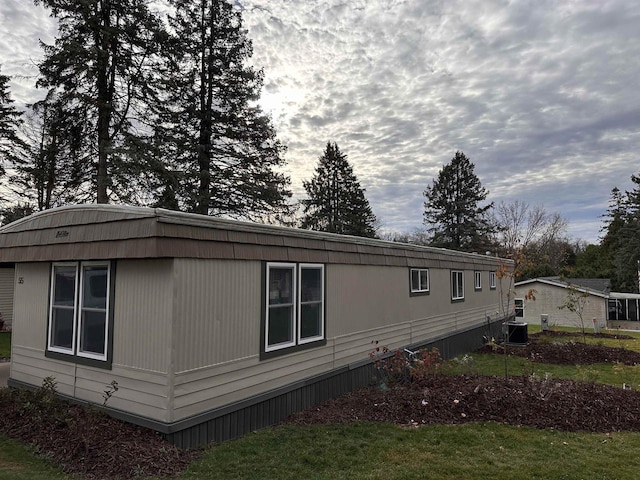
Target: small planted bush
point(403, 365)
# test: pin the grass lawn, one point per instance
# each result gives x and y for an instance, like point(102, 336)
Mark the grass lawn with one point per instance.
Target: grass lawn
point(18, 463)
point(387, 452)
point(5, 344)
point(616, 374)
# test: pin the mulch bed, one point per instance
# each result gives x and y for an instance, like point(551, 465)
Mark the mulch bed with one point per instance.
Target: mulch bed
point(569, 353)
point(537, 402)
point(85, 441)
point(559, 404)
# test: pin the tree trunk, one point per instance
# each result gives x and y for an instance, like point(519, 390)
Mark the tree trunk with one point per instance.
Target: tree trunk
point(206, 98)
point(103, 103)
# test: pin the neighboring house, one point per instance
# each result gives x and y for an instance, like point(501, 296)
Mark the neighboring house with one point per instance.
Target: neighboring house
point(608, 309)
point(213, 328)
point(7, 272)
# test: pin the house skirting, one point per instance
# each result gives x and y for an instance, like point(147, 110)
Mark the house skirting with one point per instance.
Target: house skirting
point(237, 419)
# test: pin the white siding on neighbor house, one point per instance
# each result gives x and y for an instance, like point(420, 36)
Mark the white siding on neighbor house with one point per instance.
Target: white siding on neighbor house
point(7, 284)
point(548, 299)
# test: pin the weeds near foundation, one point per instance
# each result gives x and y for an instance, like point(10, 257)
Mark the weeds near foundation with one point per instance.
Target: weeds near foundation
point(109, 391)
point(403, 365)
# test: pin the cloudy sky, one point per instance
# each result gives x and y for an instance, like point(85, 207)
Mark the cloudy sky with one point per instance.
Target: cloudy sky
point(542, 96)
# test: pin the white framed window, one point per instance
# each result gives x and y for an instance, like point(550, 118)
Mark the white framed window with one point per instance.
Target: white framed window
point(62, 308)
point(477, 280)
point(79, 315)
point(419, 280)
point(519, 307)
point(281, 306)
point(311, 303)
point(492, 280)
point(294, 305)
point(457, 285)
point(93, 317)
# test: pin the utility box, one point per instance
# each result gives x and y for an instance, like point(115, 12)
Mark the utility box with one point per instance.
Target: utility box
point(596, 326)
point(544, 322)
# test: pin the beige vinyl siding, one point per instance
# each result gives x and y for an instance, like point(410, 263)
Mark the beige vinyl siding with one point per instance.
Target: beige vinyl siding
point(203, 389)
point(549, 298)
point(364, 304)
point(142, 333)
point(142, 309)
point(217, 312)
point(139, 392)
point(31, 306)
point(6, 295)
point(365, 297)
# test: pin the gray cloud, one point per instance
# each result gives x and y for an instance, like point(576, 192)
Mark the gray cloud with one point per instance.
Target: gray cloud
point(542, 96)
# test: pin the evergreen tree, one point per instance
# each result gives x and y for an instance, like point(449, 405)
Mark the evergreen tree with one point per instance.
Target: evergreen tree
point(101, 68)
point(16, 212)
point(220, 150)
point(453, 214)
point(10, 120)
point(336, 201)
point(614, 218)
point(627, 251)
point(620, 246)
point(50, 174)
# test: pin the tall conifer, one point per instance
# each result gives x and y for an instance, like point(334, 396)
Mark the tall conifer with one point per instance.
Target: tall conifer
point(10, 121)
point(220, 149)
point(336, 202)
point(453, 213)
point(101, 67)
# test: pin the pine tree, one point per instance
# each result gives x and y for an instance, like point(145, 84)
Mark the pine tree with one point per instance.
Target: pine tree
point(627, 250)
point(336, 202)
point(453, 214)
point(220, 149)
point(49, 174)
point(614, 218)
point(101, 67)
point(10, 120)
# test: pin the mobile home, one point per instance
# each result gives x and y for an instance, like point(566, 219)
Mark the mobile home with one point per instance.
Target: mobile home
point(212, 327)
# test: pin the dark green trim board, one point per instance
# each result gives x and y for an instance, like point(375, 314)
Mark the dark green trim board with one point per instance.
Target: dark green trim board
point(239, 418)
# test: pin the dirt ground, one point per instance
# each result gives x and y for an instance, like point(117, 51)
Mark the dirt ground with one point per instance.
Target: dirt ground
point(95, 446)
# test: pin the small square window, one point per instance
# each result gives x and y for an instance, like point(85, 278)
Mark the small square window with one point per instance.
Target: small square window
point(519, 307)
point(419, 280)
